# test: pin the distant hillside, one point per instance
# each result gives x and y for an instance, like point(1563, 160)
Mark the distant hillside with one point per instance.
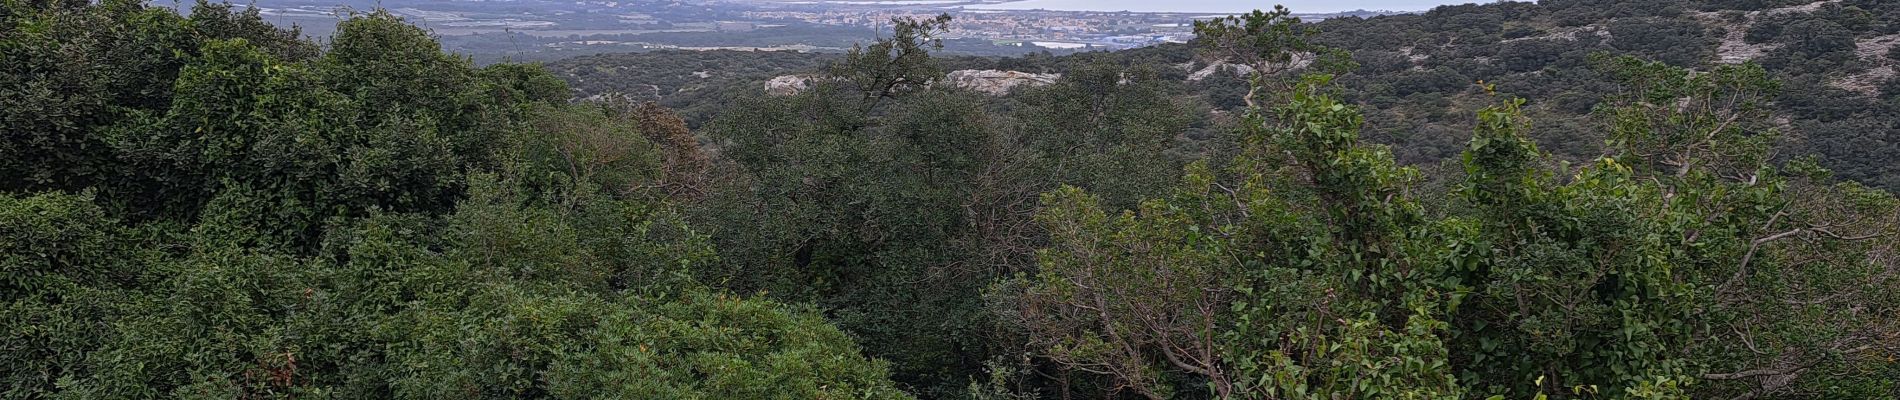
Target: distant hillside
point(1833, 58)
point(694, 82)
point(1418, 72)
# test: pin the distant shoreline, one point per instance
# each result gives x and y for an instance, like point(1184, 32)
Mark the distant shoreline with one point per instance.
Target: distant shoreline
point(1148, 8)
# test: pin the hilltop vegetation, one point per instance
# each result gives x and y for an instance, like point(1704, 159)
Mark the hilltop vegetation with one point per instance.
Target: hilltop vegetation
point(1417, 72)
point(206, 206)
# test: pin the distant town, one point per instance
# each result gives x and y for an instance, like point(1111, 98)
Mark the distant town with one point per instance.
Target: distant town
point(546, 29)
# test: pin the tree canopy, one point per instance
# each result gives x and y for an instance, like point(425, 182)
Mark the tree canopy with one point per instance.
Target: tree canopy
point(203, 205)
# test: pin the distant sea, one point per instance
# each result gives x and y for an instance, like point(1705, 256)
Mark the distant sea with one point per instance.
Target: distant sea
point(1223, 6)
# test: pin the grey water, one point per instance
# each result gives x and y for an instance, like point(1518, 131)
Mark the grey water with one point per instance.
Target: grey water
point(1225, 6)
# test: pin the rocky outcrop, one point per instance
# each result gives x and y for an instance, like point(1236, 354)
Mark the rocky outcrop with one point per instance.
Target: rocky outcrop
point(991, 82)
point(1866, 82)
point(1734, 49)
point(1298, 61)
point(1568, 34)
point(1804, 8)
point(998, 83)
point(1876, 48)
point(789, 84)
point(649, 93)
point(1216, 67)
point(1874, 52)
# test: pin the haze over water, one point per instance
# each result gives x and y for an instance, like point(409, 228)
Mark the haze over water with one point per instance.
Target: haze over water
point(1225, 6)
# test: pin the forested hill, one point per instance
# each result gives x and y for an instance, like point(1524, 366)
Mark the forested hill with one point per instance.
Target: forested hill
point(1833, 58)
point(205, 206)
point(1840, 97)
point(698, 83)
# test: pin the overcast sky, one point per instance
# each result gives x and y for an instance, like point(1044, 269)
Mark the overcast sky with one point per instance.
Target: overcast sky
point(1224, 6)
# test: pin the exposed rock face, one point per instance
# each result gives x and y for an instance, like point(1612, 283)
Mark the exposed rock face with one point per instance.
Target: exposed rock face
point(1218, 67)
point(1804, 8)
point(998, 83)
point(789, 85)
point(1735, 50)
point(650, 93)
point(1568, 34)
point(1410, 53)
point(991, 82)
point(1877, 47)
point(1866, 83)
point(1241, 70)
point(1872, 51)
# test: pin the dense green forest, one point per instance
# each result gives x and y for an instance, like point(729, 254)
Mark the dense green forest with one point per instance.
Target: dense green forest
point(207, 206)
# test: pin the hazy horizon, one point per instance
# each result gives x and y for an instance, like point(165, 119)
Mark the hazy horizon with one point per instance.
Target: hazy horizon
point(1225, 6)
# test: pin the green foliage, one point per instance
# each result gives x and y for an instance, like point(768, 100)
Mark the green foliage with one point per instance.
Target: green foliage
point(893, 204)
point(377, 220)
point(75, 70)
point(706, 346)
point(1108, 129)
point(1271, 43)
point(1718, 121)
point(1534, 278)
point(1311, 203)
point(63, 263)
point(1249, 287)
point(205, 206)
point(1612, 293)
point(1129, 295)
point(860, 213)
point(54, 240)
point(896, 64)
point(1263, 39)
